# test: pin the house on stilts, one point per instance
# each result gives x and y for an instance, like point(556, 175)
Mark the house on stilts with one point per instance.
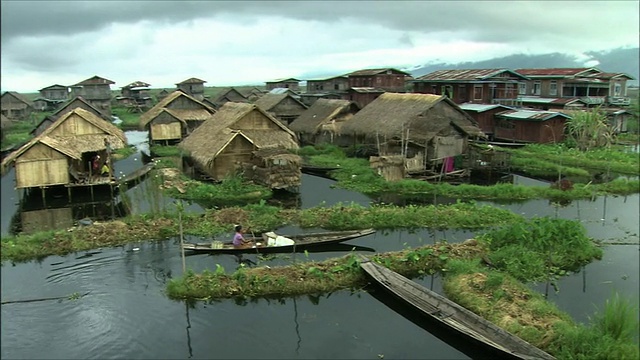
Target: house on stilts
point(243, 138)
point(174, 118)
point(63, 154)
point(413, 134)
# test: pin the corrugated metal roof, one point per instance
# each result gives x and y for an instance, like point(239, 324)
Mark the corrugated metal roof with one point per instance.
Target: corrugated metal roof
point(530, 114)
point(137, 84)
point(465, 74)
point(329, 78)
point(363, 90)
point(191, 81)
point(482, 107)
point(553, 71)
point(283, 80)
point(370, 72)
point(281, 91)
point(95, 80)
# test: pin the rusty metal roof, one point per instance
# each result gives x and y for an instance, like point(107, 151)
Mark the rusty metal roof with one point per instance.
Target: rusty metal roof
point(554, 71)
point(137, 84)
point(371, 72)
point(191, 81)
point(466, 75)
point(364, 90)
point(95, 80)
point(283, 80)
point(536, 115)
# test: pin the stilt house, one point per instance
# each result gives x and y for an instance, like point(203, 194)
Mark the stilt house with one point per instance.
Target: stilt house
point(283, 107)
point(77, 102)
point(423, 129)
point(62, 153)
point(234, 136)
point(174, 118)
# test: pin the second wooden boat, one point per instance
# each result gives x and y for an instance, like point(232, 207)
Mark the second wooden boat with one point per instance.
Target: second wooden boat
point(452, 316)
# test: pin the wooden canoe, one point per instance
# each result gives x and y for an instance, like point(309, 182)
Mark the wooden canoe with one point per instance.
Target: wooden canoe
point(301, 242)
point(451, 315)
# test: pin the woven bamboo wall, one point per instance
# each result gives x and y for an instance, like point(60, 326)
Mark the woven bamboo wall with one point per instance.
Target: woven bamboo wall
point(76, 125)
point(166, 131)
point(389, 167)
point(41, 166)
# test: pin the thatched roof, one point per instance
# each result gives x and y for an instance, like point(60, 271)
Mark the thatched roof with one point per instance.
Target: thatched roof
point(216, 130)
point(229, 94)
point(72, 104)
point(191, 114)
point(191, 81)
point(204, 151)
point(269, 101)
point(278, 153)
point(321, 112)
point(391, 113)
point(17, 96)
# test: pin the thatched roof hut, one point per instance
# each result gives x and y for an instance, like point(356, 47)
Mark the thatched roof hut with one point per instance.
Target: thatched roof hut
point(284, 107)
point(430, 122)
point(323, 112)
point(174, 117)
point(64, 147)
point(76, 102)
point(226, 140)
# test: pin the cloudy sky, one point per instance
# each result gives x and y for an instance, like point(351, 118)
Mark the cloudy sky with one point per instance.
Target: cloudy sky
point(236, 42)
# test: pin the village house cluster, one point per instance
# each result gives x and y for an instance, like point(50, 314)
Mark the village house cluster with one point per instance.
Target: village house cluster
point(410, 125)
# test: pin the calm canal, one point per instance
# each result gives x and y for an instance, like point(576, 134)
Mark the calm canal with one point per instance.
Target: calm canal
point(126, 314)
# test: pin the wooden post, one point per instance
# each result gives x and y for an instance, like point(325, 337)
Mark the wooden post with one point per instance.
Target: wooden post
point(91, 189)
point(69, 193)
point(44, 199)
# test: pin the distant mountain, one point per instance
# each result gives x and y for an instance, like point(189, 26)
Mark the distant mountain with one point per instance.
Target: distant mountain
point(624, 60)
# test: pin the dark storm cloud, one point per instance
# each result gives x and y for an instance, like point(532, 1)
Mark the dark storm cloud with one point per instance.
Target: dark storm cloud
point(500, 21)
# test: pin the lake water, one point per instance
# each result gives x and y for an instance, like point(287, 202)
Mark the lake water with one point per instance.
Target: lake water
point(126, 314)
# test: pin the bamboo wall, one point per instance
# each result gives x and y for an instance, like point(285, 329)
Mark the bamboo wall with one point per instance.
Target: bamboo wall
point(76, 125)
point(231, 158)
point(255, 120)
point(46, 219)
point(41, 166)
point(165, 127)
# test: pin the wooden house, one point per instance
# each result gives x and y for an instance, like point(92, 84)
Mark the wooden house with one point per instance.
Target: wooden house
point(229, 139)
point(568, 103)
point(76, 102)
point(174, 117)
point(479, 86)
point(97, 91)
point(5, 124)
point(484, 115)
point(193, 87)
point(288, 83)
point(618, 119)
point(161, 95)
point(62, 154)
point(424, 129)
point(135, 95)
point(283, 107)
point(531, 126)
point(253, 94)
point(226, 95)
point(322, 122)
point(600, 87)
point(51, 97)
point(334, 84)
point(388, 79)
point(15, 106)
point(362, 96)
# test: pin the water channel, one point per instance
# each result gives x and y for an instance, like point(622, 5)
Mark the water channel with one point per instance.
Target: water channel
point(125, 313)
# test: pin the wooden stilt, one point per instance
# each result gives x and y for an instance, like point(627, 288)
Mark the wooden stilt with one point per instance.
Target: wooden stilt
point(91, 189)
point(44, 198)
point(69, 193)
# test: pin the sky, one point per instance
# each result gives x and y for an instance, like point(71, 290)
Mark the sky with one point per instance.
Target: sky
point(231, 43)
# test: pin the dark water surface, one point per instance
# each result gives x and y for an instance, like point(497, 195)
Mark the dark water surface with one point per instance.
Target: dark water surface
point(126, 314)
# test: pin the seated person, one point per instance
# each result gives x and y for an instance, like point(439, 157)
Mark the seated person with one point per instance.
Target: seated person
point(239, 242)
point(105, 170)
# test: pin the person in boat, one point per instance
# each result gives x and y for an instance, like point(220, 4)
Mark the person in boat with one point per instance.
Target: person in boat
point(239, 242)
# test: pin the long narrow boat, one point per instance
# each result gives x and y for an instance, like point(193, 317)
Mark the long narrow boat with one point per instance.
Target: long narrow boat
point(452, 316)
point(300, 242)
